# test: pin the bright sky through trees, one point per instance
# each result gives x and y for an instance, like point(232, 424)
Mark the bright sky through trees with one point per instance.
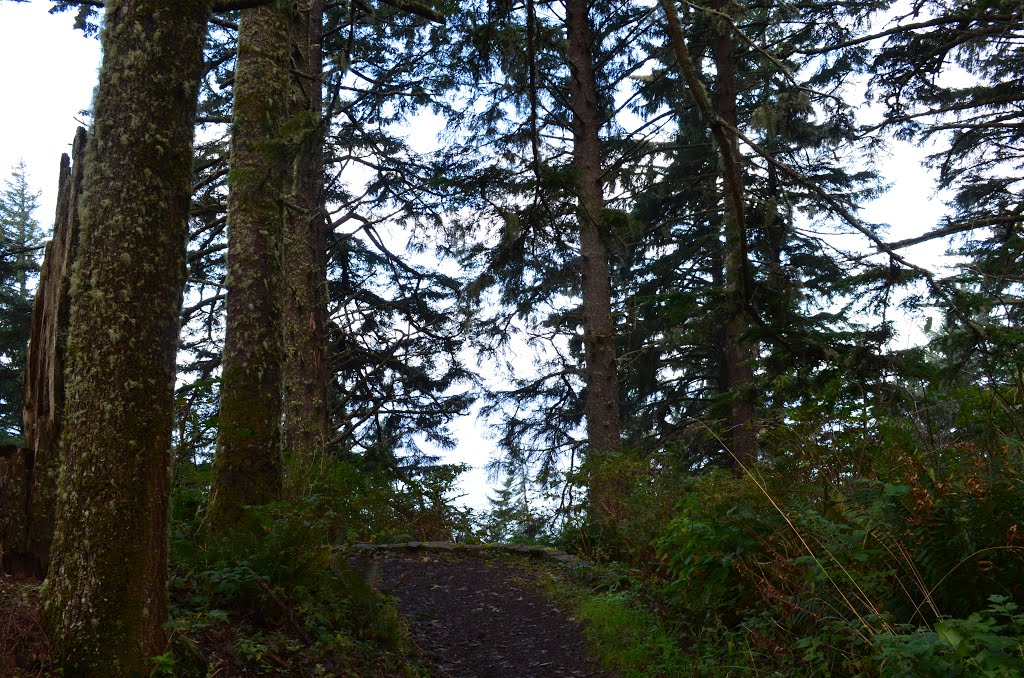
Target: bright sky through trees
point(49, 71)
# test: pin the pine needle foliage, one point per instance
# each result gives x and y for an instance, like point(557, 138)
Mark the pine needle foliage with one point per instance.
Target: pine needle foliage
point(21, 240)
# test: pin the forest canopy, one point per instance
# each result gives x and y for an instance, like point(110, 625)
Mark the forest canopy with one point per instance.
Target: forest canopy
point(299, 242)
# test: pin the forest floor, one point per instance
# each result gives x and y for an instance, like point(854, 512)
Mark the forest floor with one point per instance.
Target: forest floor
point(470, 615)
point(475, 617)
point(23, 644)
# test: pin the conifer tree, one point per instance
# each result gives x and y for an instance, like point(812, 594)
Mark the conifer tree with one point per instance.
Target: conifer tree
point(20, 243)
point(248, 467)
point(784, 121)
point(604, 435)
point(537, 148)
point(721, 117)
point(105, 599)
point(305, 431)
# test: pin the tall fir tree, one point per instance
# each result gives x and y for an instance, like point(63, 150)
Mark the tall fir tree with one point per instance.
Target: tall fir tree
point(248, 468)
point(105, 598)
point(604, 429)
point(20, 247)
point(763, 125)
point(536, 149)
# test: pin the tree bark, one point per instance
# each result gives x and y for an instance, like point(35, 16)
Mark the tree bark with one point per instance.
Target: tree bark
point(247, 467)
point(28, 481)
point(306, 403)
point(105, 599)
point(602, 402)
point(737, 352)
point(720, 114)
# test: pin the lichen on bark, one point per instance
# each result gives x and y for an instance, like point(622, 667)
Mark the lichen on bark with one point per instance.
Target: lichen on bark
point(105, 599)
point(306, 404)
point(247, 466)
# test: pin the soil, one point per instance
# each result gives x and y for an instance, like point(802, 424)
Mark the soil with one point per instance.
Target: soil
point(474, 618)
point(470, 617)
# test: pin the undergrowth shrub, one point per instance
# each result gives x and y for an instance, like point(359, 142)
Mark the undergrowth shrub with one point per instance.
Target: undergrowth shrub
point(361, 503)
point(277, 596)
point(643, 495)
point(986, 643)
point(874, 576)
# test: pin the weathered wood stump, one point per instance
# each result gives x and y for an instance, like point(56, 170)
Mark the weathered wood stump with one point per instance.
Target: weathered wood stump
point(28, 476)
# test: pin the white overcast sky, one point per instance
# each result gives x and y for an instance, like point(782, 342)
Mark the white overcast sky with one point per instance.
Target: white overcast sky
point(47, 75)
point(48, 72)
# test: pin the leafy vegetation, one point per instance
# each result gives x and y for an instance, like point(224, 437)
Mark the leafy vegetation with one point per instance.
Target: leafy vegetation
point(279, 598)
point(639, 219)
point(910, 568)
point(629, 639)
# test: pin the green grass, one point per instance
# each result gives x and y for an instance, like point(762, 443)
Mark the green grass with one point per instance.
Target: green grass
point(629, 640)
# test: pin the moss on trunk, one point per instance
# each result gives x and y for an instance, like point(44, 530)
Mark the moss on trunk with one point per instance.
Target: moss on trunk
point(306, 405)
point(105, 600)
point(247, 466)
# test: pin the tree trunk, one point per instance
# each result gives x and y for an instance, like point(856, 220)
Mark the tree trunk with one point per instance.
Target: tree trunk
point(602, 405)
point(737, 352)
point(306, 404)
point(247, 467)
point(722, 119)
point(105, 600)
point(28, 481)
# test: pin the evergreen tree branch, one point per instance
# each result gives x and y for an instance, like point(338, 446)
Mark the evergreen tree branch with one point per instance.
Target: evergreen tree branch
point(417, 8)
point(843, 212)
point(952, 108)
point(17, 251)
point(931, 23)
point(959, 227)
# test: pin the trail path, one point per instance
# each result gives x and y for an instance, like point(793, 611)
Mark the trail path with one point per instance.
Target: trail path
point(476, 618)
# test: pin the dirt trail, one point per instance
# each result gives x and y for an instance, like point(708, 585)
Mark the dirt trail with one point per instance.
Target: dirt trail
point(476, 618)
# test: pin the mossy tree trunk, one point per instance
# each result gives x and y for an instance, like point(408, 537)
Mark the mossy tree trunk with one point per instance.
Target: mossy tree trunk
point(105, 599)
point(306, 403)
point(604, 433)
point(247, 466)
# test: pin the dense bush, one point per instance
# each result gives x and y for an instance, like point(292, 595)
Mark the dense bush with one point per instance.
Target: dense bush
point(916, 573)
point(277, 595)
